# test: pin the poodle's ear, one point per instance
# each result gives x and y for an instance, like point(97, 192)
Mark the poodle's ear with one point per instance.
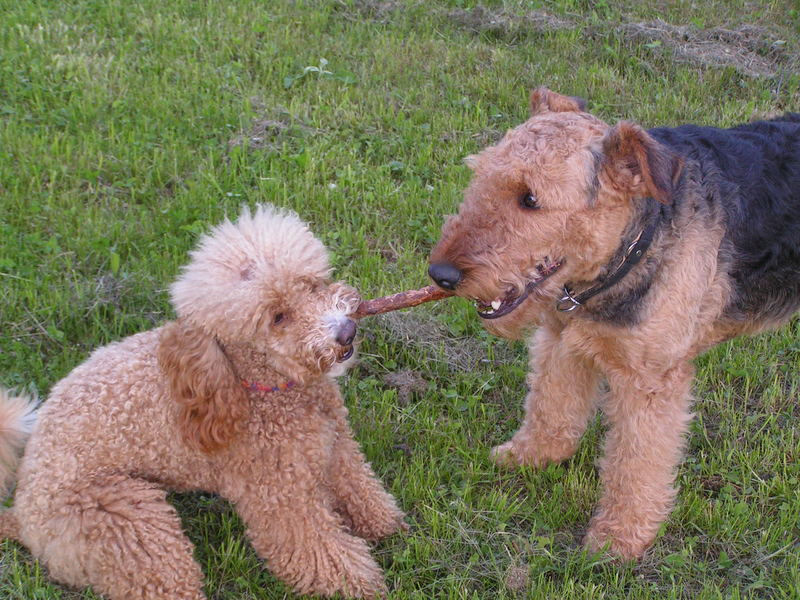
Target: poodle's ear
point(201, 380)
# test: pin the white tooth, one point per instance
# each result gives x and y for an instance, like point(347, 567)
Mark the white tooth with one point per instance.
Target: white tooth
point(496, 304)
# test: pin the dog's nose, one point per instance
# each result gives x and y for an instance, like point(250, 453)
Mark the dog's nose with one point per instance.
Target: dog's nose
point(346, 333)
point(445, 274)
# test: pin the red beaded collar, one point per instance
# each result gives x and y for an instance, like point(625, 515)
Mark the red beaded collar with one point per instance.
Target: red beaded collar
point(254, 386)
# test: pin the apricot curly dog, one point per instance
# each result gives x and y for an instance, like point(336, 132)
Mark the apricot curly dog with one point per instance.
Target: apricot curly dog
point(632, 251)
point(234, 397)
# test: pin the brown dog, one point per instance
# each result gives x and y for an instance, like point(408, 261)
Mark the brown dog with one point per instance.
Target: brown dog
point(235, 397)
point(632, 252)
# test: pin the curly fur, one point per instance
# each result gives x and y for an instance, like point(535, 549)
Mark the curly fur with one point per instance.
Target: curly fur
point(167, 409)
point(17, 417)
point(202, 381)
point(724, 209)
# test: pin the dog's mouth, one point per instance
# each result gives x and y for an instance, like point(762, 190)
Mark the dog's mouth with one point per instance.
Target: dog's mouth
point(499, 307)
point(345, 354)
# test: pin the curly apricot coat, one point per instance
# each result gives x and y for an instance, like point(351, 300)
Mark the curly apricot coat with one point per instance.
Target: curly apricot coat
point(168, 409)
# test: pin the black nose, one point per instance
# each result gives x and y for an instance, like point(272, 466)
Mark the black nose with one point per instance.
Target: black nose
point(346, 333)
point(445, 274)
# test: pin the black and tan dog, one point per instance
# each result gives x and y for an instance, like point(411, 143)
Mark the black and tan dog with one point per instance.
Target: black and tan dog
point(631, 252)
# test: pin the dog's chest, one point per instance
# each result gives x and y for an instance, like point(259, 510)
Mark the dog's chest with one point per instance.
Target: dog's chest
point(287, 434)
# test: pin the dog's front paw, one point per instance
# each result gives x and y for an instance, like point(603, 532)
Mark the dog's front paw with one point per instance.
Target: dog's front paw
point(616, 541)
point(382, 522)
point(533, 450)
point(372, 588)
point(330, 566)
point(362, 577)
point(504, 455)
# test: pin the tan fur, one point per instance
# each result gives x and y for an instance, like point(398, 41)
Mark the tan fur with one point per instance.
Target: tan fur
point(17, 417)
point(202, 381)
point(636, 165)
point(166, 409)
point(543, 99)
point(496, 245)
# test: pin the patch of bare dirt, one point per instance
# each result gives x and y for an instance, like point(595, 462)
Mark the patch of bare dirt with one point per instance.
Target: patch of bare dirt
point(261, 134)
point(748, 49)
point(488, 136)
point(434, 341)
point(108, 291)
point(407, 382)
point(388, 251)
point(268, 130)
point(505, 24)
point(518, 579)
point(377, 11)
point(752, 50)
point(712, 484)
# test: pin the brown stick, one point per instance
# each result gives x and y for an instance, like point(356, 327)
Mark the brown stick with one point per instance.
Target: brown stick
point(400, 300)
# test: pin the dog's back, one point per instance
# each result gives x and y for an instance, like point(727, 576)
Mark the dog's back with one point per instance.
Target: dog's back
point(752, 172)
point(788, 117)
point(111, 413)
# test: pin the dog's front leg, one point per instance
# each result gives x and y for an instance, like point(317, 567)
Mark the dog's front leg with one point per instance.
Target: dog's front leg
point(304, 543)
point(562, 398)
point(370, 510)
point(648, 417)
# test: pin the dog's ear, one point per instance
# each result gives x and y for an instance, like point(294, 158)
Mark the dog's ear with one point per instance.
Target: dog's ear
point(213, 403)
point(638, 165)
point(543, 99)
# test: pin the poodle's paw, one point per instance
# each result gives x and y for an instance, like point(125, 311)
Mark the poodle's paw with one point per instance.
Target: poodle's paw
point(373, 514)
point(355, 574)
point(329, 565)
point(369, 589)
point(382, 522)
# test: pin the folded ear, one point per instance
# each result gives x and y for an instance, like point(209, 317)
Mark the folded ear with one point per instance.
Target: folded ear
point(202, 381)
point(543, 99)
point(638, 165)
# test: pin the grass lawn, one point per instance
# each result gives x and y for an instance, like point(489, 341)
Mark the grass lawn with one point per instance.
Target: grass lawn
point(127, 128)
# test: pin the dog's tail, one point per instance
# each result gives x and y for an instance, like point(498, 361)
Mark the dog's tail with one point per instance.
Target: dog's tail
point(17, 418)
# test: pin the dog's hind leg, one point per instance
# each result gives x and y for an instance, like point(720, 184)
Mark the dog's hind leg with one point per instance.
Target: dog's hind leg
point(562, 398)
point(120, 536)
point(648, 417)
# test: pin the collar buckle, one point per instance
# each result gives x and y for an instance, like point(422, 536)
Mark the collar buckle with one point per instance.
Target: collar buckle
point(568, 302)
point(633, 254)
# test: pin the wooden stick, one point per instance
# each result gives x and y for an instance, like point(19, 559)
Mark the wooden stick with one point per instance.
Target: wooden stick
point(400, 300)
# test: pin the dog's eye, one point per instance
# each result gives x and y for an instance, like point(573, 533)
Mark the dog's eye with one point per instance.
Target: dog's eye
point(278, 318)
point(529, 201)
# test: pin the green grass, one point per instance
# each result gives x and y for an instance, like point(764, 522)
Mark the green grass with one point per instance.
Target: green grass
point(121, 128)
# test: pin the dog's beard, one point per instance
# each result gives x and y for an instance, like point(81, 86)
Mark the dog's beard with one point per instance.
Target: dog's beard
point(339, 368)
point(516, 296)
